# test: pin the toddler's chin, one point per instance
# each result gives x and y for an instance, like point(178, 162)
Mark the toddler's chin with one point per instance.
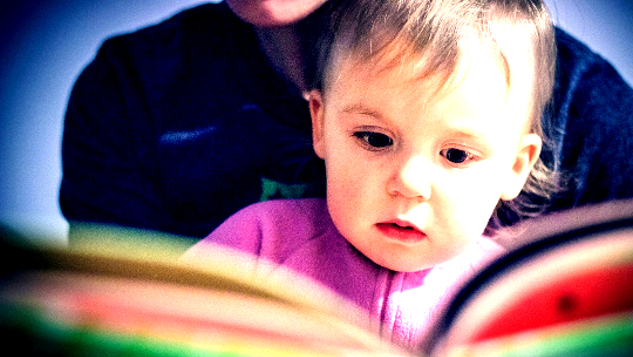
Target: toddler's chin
point(406, 266)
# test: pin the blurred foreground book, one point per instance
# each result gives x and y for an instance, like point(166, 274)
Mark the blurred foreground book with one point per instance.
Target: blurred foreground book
point(565, 289)
point(119, 293)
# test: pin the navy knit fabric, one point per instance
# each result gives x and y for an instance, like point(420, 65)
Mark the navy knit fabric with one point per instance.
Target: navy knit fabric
point(592, 124)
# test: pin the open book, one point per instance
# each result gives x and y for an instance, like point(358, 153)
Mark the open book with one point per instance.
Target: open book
point(566, 290)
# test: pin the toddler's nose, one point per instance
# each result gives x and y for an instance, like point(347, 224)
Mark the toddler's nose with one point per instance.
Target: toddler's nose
point(411, 179)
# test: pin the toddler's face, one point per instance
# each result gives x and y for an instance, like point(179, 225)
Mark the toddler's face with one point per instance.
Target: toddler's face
point(413, 177)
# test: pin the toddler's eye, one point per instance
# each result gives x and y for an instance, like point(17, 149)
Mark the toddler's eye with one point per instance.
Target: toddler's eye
point(457, 156)
point(374, 140)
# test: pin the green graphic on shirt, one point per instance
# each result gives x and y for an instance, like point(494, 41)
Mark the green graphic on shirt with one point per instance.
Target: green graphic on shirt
point(277, 190)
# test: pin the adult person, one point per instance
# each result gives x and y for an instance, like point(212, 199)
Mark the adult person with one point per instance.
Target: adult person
point(175, 127)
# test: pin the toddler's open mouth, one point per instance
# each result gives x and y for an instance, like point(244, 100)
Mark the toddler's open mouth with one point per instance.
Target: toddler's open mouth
point(401, 231)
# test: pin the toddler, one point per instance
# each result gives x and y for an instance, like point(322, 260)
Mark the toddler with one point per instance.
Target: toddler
point(427, 115)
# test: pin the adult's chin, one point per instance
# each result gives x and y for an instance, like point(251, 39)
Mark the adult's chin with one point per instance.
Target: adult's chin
point(273, 13)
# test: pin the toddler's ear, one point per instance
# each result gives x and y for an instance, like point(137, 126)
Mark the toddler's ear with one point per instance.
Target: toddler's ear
point(527, 155)
point(316, 111)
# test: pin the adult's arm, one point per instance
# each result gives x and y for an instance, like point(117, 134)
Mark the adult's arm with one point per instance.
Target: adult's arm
point(108, 168)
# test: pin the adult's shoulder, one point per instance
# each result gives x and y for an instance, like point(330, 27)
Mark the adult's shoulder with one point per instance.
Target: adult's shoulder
point(591, 124)
point(587, 85)
point(197, 64)
point(201, 31)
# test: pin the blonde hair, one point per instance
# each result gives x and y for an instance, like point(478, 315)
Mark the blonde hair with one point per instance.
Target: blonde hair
point(433, 32)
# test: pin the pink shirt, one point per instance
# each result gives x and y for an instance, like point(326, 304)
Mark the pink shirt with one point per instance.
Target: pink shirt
point(299, 235)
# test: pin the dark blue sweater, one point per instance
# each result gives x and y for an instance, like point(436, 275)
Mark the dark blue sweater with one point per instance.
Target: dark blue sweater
point(177, 126)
